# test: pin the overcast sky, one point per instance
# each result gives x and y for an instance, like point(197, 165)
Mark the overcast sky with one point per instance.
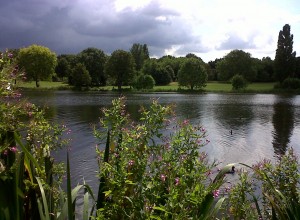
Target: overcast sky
point(208, 28)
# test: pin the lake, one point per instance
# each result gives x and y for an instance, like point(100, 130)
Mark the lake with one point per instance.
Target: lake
point(241, 127)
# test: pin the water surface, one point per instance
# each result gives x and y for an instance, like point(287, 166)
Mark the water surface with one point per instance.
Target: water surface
point(241, 127)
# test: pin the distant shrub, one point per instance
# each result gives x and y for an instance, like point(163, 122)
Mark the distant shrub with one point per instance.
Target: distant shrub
point(144, 82)
point(291, 83)
point(238, 82)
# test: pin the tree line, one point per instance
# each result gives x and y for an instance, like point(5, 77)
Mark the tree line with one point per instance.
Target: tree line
point(135, 68)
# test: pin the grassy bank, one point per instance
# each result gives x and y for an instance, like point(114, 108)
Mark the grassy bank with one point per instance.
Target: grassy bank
point(172, 87)
point(43, 85)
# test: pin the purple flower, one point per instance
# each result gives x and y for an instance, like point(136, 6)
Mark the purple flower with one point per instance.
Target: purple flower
point(216, 193)
point(10, 55)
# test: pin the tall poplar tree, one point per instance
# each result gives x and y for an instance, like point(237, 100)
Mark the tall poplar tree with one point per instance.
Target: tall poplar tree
point(284, 63)
point(140, 53)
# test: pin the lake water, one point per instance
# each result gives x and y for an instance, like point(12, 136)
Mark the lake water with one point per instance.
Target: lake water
point(262, 125)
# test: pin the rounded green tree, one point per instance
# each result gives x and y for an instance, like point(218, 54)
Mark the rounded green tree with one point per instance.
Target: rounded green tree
point(38, 62)
point(120, 68)
point(192, 74)
point(80, 76)
point(144, 82)
point(238, 82)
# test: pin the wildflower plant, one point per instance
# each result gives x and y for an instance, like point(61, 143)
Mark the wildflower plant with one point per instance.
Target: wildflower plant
point(280, 186)
point(26, 140)
point(241, 202)
point(146, 174)
point(270, 192)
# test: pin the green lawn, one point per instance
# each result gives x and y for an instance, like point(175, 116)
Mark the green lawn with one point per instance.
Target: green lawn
point(43, 85)
point(227, 87)
point(172, 87)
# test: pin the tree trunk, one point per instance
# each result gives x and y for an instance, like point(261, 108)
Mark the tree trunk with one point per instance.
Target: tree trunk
point(120, 87)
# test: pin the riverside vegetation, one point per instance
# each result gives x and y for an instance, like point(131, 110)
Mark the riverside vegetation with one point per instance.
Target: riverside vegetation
point(151, 168)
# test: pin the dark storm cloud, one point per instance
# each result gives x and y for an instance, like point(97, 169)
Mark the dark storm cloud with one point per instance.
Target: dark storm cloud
point(236, 42)
point(71, 26)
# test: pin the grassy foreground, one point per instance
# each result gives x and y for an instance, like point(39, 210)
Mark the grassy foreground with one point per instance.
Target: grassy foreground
point(172, 87)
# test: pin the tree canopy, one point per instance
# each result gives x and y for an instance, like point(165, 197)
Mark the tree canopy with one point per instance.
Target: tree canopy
point(192, 74)
point(160, 74)
point(120, 67)
point(94, 61)
point(80, 76)
point(173, 62)
point(63, 67)
point(284, 63)
point(38, 62)
point(140, 53)
point(236, 62)
point(144, 82)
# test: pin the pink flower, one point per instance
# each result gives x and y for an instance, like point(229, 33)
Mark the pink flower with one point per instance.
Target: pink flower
point(177, 181)
point(185, 122)
point(14, 149)
point(131, 162)
point(163, 177)
point(216, 193)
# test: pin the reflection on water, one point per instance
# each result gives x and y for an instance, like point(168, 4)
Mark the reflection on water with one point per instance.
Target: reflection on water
point(262, 126)
point(283, 121)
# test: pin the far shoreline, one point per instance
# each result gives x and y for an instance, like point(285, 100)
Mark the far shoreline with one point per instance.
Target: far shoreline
point(212, 87)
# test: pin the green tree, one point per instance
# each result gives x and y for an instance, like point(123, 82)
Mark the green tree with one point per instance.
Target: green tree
point(38, 62)
point(80, 76)
point(144, 82)
point(120, 67)
point(238, 82)
point(264, 69)
point(63, 68)
point(94, 61)
point(161, 74)
point(192, 74)
point(297, 68)
point(284, 63)
point(173, 62)
point(213, 73)
point(140, 53)
point(236, 62)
